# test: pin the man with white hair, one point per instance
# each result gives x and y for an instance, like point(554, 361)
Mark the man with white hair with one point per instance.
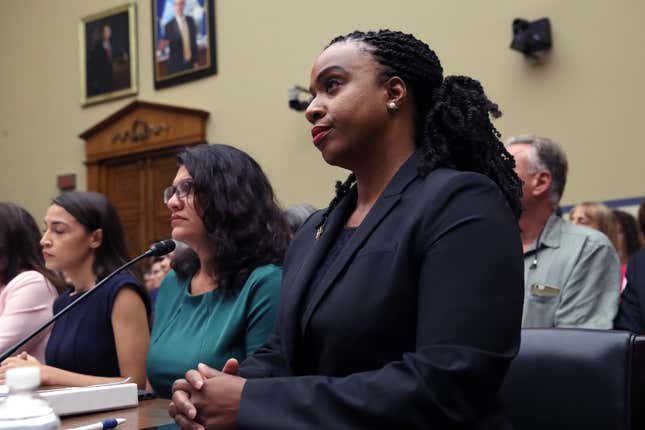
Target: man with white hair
point(571, 272)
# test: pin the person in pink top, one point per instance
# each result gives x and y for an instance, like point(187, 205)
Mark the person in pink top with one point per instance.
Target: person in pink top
point(27, 288)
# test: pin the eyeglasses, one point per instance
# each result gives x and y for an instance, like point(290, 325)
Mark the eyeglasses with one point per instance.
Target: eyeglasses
point(180, 190)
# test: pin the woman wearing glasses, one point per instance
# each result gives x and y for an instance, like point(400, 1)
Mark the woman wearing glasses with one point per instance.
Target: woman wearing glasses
point(105, 338)
point(220, 299)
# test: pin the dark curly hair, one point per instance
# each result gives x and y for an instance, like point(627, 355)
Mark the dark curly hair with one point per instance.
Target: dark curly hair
point(243, 221)
point(19, 246)
point(452, 115)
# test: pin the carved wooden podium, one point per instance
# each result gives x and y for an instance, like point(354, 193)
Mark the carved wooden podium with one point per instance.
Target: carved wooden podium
point(131, 158)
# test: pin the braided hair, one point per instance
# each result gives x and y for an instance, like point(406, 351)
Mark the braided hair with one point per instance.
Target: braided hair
point(453, 126)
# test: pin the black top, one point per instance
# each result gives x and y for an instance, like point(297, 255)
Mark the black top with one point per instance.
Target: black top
point(343, 237)
point(82, 340)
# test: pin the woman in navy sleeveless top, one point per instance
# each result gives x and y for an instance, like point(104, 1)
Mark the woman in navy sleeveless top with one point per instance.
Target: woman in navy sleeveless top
point(83, 339)
point(105, 338)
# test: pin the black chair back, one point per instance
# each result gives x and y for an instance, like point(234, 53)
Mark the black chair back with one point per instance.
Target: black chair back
point(577, 379)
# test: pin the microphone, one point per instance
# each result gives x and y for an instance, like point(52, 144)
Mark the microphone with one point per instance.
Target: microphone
point(161, 248)
point(156, 250)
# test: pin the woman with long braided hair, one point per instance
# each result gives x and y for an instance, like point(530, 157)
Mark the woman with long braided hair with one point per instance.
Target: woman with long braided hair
point(402, 301)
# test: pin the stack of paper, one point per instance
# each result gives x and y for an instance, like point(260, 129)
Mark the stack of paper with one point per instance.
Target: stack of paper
point(80, 400)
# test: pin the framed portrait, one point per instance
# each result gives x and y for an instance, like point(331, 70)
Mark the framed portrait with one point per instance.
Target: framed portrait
point(108, 55)
point(183, 42)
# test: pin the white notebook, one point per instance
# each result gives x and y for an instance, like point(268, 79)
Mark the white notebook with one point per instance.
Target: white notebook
point(95, 398)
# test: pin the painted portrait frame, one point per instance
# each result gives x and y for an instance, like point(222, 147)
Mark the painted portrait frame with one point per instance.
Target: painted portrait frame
point(166, 70)
point(108, 58)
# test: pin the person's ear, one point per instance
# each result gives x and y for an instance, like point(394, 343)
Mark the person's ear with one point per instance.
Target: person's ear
point(542, 182)
point(96, 238)
point(396, 93)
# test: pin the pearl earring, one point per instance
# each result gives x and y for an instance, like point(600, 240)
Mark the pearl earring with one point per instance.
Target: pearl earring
point(392, 107)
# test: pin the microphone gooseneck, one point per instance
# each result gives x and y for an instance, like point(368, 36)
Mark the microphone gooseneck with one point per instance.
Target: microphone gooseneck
point(156, 250)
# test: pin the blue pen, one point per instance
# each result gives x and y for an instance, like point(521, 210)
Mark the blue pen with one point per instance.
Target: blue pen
point(109, 423)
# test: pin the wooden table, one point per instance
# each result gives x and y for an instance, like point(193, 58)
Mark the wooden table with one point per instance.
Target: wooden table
point(149, 413)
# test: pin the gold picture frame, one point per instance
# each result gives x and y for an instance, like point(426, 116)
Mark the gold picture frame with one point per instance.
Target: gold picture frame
point(108, 55)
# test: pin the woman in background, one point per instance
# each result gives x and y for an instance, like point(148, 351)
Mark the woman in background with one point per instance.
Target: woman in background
point(631, 313)
point(628, 240)
point(105, 338)
point(629, 236)
point(27, 288)
point(220, 299)
point(597, 216)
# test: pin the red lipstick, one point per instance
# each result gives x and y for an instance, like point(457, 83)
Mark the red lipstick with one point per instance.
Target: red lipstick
point(319, 133)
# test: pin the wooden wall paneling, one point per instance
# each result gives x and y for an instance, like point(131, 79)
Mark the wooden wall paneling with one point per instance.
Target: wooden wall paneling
point(149, 198)
point(162, 172)
point(93, 176)
point(126, 191)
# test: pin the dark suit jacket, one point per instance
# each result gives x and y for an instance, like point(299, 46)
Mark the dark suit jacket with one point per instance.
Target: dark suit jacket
point(176, 61)
point(100, 76)
point(631, 313)
point(413, 326)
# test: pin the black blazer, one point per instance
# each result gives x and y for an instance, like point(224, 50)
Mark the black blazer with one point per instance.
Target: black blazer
point(632, 306)
point(413, 326)
point(176, 61)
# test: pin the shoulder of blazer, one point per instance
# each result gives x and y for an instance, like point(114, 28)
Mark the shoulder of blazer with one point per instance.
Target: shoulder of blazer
point(448, 193)
point(314, 217)
point(446, 181)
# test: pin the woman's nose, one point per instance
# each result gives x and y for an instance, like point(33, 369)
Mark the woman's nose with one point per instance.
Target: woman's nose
point(315, 111)
point(44, 240)
point(174, 202)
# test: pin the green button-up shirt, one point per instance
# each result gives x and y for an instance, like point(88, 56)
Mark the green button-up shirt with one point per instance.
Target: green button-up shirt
point(572, 278)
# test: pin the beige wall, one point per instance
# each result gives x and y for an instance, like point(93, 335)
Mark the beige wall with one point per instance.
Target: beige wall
point(586, 96)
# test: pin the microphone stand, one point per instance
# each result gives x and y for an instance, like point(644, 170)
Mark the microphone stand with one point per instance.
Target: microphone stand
point(158, 249)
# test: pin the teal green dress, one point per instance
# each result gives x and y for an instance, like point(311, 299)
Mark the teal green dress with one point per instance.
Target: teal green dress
point(209, 328)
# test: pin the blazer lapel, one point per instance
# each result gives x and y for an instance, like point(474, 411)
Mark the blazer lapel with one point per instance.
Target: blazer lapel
point(384, 204)
point(313, 257)
point(319, 249)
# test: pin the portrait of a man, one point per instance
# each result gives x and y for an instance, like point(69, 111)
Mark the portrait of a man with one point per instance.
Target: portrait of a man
point(100, 65)
point(108, 57)
point(180, 33)
point(183, 40)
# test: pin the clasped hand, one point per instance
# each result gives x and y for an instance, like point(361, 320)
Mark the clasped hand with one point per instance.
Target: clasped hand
point(21, 360)
point(207, 398)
